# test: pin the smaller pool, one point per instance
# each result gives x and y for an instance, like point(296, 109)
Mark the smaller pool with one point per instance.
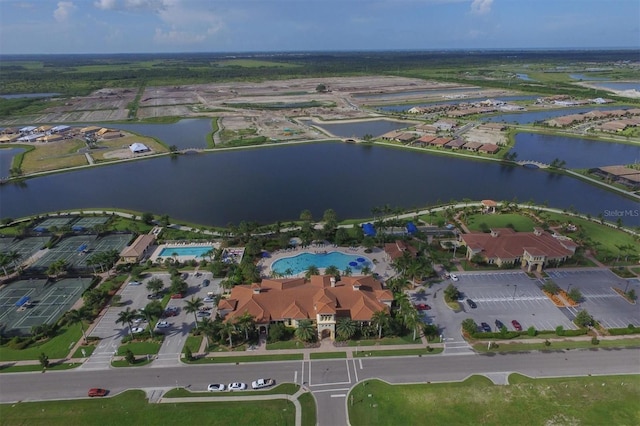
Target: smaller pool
point(301, 262)
point(197, 251)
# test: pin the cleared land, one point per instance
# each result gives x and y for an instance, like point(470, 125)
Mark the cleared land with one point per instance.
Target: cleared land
point(586, 400)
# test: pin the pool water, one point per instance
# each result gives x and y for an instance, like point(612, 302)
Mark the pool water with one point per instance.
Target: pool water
point(185, 251)
point(301, 262)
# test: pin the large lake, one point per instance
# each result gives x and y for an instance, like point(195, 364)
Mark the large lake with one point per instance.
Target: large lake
point(186, 133)
point(277, 183)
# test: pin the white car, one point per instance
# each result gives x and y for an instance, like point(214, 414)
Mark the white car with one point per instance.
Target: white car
point(237, 386)
point(134, 283)
point(454, 277)
point(216, 387)
point(137, 330)
point(163, 324)
point(208, 299)
point(262, 383)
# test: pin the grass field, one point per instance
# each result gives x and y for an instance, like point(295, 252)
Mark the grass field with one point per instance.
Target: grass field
point(327, 355)
point(140, 348)
point(53, 156)
point(132, 408)
point(288, 344)
point(55, 348)
point(563, 401)
point(519, 222)
point(308, 404)
point(111, 145)
point(402, 340)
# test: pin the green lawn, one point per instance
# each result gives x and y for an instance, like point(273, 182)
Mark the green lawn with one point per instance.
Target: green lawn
point(193, 343)
point(563, 345)
point(88, 350)
point(132, 408)
point(585, 400)
point(308, 404)
point(37, 367)
point(55, 348)
point(247, 358)
point(401, 340)
point(397, 352)
point(140, 348)
point(327, 355)
point(520, 223)
point(287, 344)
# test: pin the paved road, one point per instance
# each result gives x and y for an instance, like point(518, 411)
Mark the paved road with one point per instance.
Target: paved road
point(329, 380)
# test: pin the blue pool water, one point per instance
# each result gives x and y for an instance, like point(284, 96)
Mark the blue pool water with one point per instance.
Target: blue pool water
point(185, 251)
point(301, 262)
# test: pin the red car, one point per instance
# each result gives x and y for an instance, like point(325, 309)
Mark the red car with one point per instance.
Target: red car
point(97, 392)
point(422, 307)
point(516, 325)
point(177, 296)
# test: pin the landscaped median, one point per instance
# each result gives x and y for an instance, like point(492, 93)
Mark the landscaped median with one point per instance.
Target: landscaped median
point(236, 359)
point(555, 344)
point(575, 400)
point(282, 389)
point(397, 352)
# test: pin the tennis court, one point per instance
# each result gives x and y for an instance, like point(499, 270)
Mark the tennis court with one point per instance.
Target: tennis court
point(58, 222)
point(90, 222)
point(47, 302)
point(24, 247)
point(75, 250)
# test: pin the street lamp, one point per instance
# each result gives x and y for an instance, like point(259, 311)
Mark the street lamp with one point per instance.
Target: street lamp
point(515, 288)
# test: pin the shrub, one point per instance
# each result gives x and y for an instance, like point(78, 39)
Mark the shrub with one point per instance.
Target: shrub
point(532, 332)
point(188, 354)
point(560, 330)
point(624, 331)
point(579, 332)
point(129, 356)
point(594, 340)
point(551, 287)
point(547, 343)
point(470, 326)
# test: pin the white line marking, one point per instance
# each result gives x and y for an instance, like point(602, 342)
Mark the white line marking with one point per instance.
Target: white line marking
point(339, 395)
point(348, 372)
point(295, 377)
point(360, 361)
point(355, 370)
point(330, 390)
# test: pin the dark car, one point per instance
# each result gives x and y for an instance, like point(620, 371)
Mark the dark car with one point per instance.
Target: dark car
point(184, 275)
point(471, 304)
point(499, 325)
point(516, 325)
point(205, 283)
point(154, 296)
point(97, 392)
point(485, 327)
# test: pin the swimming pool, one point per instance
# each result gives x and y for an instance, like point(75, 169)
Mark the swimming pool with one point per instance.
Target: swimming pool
point(302, 261)
point(197, 251)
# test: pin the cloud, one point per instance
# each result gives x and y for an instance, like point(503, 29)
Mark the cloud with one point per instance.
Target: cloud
point(132, 5)
point(65, 8)
point(481, 7)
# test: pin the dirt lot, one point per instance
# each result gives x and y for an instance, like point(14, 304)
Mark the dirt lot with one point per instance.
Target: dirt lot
point(486, 136)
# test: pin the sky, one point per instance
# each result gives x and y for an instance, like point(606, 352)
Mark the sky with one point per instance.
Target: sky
point(156, 26)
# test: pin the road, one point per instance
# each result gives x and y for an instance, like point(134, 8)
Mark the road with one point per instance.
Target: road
point(329, 380)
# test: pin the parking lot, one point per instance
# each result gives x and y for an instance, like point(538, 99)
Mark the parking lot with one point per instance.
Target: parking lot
point(599, 299)
point(507, 296)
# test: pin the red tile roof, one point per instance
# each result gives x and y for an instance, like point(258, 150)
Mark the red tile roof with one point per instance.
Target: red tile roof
point(505, 243)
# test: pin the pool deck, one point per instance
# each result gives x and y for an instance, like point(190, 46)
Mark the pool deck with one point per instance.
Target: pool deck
point(381, 264)
point(155, 257)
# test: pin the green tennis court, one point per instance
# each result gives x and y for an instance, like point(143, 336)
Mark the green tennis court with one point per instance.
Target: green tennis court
point(90, 222)
point(24, 247)
point(55, 221)
point(48, 301)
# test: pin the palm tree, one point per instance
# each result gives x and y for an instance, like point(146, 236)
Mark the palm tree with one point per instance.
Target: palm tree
point(380, 319)
point(126, 317)
point(75, 316)
point(347, 272)
point(13, 257)
point(208, 329)
point(192, 306)
point(332, 270)
point(150, 313)
point(413, 322)
point(155, 285)
point(228, 329)
point(245, 322)
point(366, 270)
point(305, 331)
point(4, 262)
point(346, 328)
point(311, 270)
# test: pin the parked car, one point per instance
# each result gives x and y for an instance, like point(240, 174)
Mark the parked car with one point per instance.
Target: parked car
point(454, 277)
point(138, 321)
point(422, 306)
point(177, 296)
point(137, 329)
point(205, 283)
point(471, 304)
point(485, 327)
point(154, 296)
point(184, 275)
point(262, 383)
point(499, 325)
point(134, 283)
point(237, 386)
point(209, 299)
point(516, 325)
point(202, 314)
point(216, 387)
point(97, 392)
point(163, 324)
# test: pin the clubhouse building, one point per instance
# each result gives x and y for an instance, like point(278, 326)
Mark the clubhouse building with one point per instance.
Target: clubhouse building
point(322, 299)
point(533, 250)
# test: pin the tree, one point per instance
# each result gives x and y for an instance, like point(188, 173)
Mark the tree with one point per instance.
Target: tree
point(321, 88)
point(154, 285)
point(575, 294)
point(129, 356)
point(178, 285)
point(147, 218)
point(126, 317)
point(305, 331)
point(332, 270)
point(75, 316)
point(245, 323)
point(469, 326)
point(583, 319)
point(380, 320)
point(151, 312)
point(551, 287)
point(228, 329)
point(44, 360)
point(346, 328)
point(192, 306)
point(413, 322)
point(306, 216)
point(311, 270)
point(57, 268)
point(451, 293)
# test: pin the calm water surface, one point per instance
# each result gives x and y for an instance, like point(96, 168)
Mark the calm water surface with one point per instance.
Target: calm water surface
point(277, 183)
point(187, 133)
point(29, 95)
point(577, 153)
point(533, 116)
point(397, 108)
point(6, 157)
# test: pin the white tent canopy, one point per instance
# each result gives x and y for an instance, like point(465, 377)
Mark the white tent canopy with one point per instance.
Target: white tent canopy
point(138, 147)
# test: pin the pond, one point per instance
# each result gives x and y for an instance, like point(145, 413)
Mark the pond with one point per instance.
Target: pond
point(186, 133)
point(425, 93)
point(533, 116)
point(6, 157)
point(578, 153)
point(400, 108)
point(360, 128)
point(29, 95)
point(277, 183)
point(613, 85)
